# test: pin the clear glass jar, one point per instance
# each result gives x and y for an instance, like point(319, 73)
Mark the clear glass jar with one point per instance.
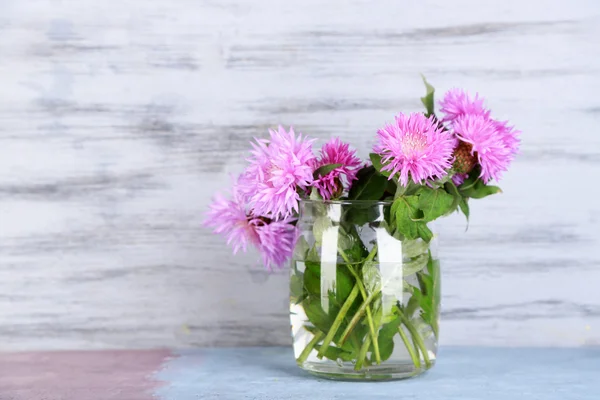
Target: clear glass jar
point(364, 301)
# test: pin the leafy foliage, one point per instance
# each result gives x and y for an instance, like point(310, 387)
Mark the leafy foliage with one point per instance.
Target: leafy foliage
point(334, 353)
point(407, 216)
point(428, 295)
point(370, 185)
point(475, 188)
point(435, 202)
point(409, 219)
point(359, 214)
point(324, 170)
point(464, 207)
point(385, 338)
point(427, 100)
point(377, 164)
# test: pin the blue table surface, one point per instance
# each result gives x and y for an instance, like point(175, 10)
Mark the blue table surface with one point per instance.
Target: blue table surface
point(461, 373)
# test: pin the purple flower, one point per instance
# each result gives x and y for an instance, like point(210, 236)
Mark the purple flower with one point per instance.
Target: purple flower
point(275, 240)
point(457, 102)
point(228, 217)
point(416, 147)
point(278, 168)
point(494, 143)
point(459, 178)
point(336, 152)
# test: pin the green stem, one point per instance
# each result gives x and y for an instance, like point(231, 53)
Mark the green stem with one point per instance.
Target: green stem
point(369, 316)
point(413, 351)
point(366, 299)
point(357, 317)
point(309, 347)
point(400, 190)
point(417, 340)
point(362, 353)
point(344, 256)
point(338, 321)
point(371, 255)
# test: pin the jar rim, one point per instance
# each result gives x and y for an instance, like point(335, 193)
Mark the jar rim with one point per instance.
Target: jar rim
point(349, 202)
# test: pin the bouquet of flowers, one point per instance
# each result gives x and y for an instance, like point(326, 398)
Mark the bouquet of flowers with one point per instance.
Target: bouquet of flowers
point(332, 212)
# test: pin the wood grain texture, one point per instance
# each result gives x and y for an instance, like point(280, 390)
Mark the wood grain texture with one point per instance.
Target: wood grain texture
point(118, 121)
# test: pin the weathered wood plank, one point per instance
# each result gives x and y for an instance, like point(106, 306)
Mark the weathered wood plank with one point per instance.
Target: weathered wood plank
point(117, 123)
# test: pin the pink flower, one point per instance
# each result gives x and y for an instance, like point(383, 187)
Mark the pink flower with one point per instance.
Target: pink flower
point(278, 168)
point(495, 144)
point(416, 147)
point(228, 217)
point(336, 152)
point(275, 240)
point(457, 102)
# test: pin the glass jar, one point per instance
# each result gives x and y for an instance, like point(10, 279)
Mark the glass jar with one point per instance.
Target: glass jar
point(364, 301)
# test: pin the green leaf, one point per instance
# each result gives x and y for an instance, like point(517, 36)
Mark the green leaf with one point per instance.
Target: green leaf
point(324, 170)
point(333, 353)
point(312, 278)
point(344, 283)
point(371, 276)
point(453, 191)
point(423, 328)
point(464, 207)
point(320, 225)
point(370, 185)
point(427, 100)
point(312, 329)
point(475, 188)
point(360, 214)
point(313, 254)
point(356, 251)
point(413, 302)
point(376, 160)
point(406, 214)
point(296, 287)
point(424, 232)
point(316, 315)
point(429, 293)
point(391, 187)
point(409, 218)
point(414, 248)
point(435, 203)
point(301, 249)
point(481, 190)
point(385, 338)
point(415, 265)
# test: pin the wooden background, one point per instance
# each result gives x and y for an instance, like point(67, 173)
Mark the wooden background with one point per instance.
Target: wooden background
point(120, 119)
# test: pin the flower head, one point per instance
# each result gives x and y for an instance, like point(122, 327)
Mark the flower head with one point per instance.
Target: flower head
point(416, 147)
point(457, 102)
point(228, 217)
point(278, 168)
point(464, 160)
point(336, 152)
point(275, 240)
point(494, 143)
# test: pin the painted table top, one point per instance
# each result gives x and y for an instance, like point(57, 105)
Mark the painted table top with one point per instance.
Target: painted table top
point(270, 373)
